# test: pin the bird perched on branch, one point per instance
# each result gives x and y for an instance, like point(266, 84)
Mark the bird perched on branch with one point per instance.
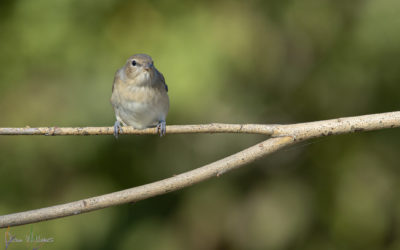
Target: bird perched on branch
point(139, 95)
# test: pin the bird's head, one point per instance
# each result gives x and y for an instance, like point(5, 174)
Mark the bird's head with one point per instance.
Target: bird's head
point(139, 68)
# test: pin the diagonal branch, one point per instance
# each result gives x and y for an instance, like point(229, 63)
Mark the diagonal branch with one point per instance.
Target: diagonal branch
point(283, 135)
point(149, 190)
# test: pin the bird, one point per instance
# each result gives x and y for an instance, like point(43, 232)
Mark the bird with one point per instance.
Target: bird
point(140, 95)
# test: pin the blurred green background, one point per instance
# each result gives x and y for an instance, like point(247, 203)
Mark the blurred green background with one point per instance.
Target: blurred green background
point(224, 61)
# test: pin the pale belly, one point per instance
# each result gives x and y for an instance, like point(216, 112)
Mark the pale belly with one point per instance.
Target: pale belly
point(140, 115)
point(134, 110)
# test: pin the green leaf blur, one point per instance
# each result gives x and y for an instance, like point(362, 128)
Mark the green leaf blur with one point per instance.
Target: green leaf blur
point(224, 61)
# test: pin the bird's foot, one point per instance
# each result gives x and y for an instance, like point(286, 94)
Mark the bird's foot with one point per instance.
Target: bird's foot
point(161, 128)
point(117, 127)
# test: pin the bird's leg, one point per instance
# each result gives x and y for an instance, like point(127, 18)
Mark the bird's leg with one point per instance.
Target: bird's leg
point(161, 128)
point(117, 127)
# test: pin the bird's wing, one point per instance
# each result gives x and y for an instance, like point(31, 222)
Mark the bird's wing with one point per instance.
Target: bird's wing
point(115, 96)
point(116, 79)
point(163, 80)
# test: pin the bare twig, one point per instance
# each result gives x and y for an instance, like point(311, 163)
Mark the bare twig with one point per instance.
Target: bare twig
point(149, 190)
point(284, 135)
point(300, 130)
point(172, 129)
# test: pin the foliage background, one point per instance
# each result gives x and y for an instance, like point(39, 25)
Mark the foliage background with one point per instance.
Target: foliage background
point(224, 61)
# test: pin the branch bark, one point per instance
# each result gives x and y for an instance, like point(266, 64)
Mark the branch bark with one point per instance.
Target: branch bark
point(282, 136)
point(299, 131)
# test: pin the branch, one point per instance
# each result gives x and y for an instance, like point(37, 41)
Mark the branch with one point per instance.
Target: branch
point(172, 129)
point(300, 130)
point(283, 135)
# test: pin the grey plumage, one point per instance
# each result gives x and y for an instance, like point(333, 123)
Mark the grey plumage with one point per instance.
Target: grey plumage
point(139, 95)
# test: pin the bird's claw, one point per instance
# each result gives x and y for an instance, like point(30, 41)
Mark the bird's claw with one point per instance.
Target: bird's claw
point(161, 128)
point(117, 127)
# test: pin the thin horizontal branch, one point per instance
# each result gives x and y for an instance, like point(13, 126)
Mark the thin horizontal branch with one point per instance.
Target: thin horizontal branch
point(171, 129)
point(284, 135)
point(299, 131)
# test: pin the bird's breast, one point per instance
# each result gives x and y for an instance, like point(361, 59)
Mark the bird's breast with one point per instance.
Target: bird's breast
point(141, 106)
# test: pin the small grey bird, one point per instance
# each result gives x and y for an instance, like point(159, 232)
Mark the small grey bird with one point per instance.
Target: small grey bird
point(139, 95)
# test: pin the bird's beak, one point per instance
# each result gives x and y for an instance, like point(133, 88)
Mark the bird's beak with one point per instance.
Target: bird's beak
point(148, 67)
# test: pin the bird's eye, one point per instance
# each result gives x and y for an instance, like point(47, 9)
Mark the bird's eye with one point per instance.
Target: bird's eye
point(133, 63)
